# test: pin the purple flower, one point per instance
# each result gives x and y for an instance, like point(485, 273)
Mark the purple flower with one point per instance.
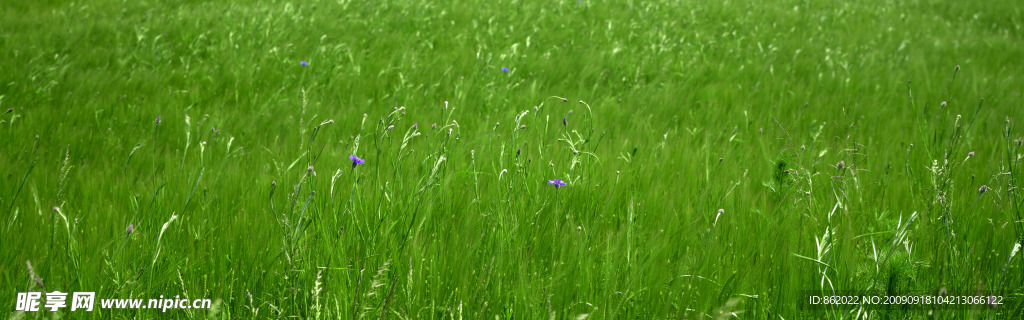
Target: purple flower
point(310, 169)
point(304, 63)
point(356, 160)
point(982, 189)
point(557, 183)
point(130, 230)
point(504, 69)
point(157, 119)
point(970, 154)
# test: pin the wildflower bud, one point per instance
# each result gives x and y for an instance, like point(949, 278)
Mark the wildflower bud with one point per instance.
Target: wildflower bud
point(273, 183)
point(565, 100)
point(1018, 142)
point(37, 137)
point(518, 151)
point(841, 165)
point(56, 209)
point(617, 172)
point(943, 104)
point(310, 168)
point(330, 121)
point(982, 189)
point(414, 125)
point(808, 193)
point(212, 129)
point(522, 127)
point(721, 211)
point(9, 110)
point(970, 154)
point(157, 119)
point(433, 126)
point(391, 127)
point(130, 230)
point(802, 147)
point(535, 108)
point(720, 160)
point(957, 68)
point(401, 109)
point(216, 132)
point(579, 228)
point(943, 291)
point(570, 112)
point(760, 130)
point(552, 164)
point(575, 152)
point(565, 122)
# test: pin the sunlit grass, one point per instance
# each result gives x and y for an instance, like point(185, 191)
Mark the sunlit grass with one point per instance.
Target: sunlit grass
point(714, 158)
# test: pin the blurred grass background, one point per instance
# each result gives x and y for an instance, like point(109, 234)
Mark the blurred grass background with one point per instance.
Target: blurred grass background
point(653, 95)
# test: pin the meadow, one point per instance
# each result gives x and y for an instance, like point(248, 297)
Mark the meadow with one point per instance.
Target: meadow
point(590, 159)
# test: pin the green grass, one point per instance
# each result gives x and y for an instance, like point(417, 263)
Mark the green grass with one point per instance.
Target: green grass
point(673, 110)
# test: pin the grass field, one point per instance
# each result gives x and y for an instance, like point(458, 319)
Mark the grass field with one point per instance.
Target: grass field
point(720, 158)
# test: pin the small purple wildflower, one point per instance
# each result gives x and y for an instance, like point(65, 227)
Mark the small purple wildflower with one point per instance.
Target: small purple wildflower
point(565, 122)
point(841, 165)
point(356, 160)
point(310, 169)
point(982, 189)
point(157, 119)
point(304, 63)
point(504, 69)
point(130, 230)
point(557, 183)
point(970, 154)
